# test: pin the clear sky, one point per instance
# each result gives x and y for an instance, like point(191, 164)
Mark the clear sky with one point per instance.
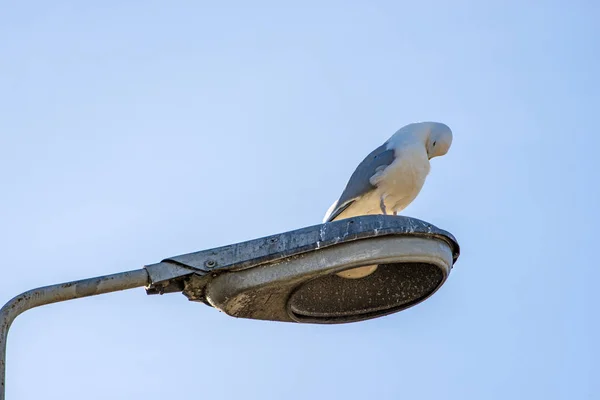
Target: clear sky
point(131, 131)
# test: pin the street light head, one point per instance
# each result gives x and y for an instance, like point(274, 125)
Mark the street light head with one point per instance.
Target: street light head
point(293, 277)
point(305, 288)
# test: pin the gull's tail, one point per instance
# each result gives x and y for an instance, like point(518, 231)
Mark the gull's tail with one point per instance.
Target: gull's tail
point(329, 211)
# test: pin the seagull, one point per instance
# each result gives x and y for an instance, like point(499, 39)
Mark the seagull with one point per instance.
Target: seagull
point(391, 177)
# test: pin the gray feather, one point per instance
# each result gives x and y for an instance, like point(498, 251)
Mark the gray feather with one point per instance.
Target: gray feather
point(359, 182)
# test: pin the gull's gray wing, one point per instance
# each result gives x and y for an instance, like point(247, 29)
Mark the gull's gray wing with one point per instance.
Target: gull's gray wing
point(359, 182)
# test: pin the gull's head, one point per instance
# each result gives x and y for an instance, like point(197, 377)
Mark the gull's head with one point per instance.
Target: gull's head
point(438, 138)
point(435, 136)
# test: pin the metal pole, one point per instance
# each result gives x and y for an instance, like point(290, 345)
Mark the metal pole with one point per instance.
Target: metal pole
point(61, 292)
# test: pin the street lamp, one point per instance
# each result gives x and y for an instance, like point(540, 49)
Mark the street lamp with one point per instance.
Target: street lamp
point(290, 277)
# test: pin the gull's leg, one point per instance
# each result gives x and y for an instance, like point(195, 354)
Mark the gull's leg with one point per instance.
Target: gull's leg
point(382, 205)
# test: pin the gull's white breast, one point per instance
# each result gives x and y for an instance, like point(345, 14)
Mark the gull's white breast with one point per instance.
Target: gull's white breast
point(400, 183)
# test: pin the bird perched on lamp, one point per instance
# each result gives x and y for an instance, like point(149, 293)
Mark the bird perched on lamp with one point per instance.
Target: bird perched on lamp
point(391, 177)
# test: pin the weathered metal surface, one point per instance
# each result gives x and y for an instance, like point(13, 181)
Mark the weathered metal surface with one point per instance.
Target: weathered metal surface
point(191, 273)
point(304, 288)
point(168, 277)
point(270, 248)
point(61, 292)
point(280, 246)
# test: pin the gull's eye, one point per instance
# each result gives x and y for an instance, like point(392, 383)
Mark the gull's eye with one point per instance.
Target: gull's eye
point(434, 143)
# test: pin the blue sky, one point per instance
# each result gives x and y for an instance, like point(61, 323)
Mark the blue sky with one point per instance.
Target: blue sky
point(132, 131)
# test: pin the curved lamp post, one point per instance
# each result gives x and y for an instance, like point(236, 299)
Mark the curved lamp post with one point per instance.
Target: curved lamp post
point(287, 277)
